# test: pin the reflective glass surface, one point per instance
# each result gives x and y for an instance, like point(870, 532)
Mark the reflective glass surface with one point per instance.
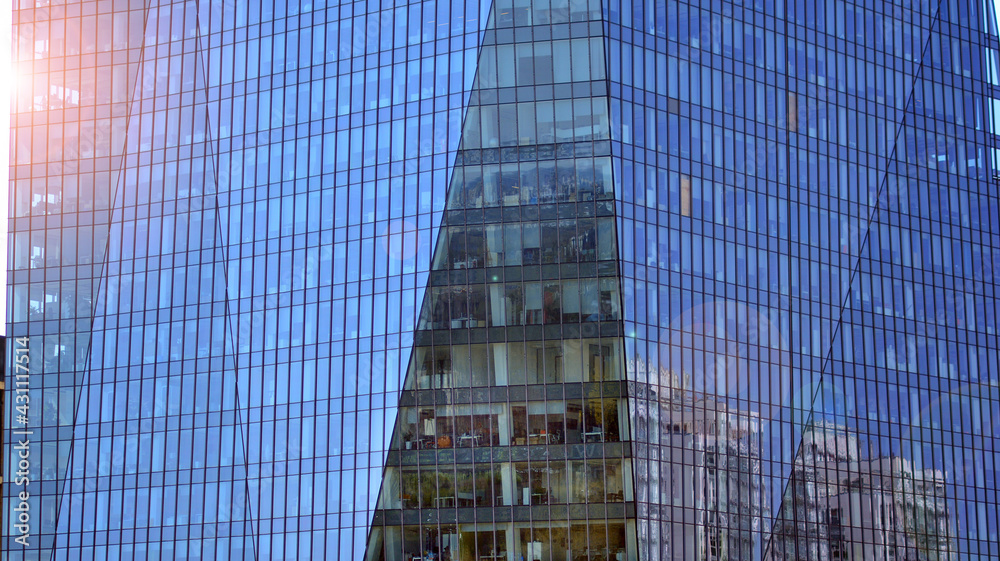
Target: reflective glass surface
point(808, 219)
point(222, 217)
point(521, 280)
point(513, 431)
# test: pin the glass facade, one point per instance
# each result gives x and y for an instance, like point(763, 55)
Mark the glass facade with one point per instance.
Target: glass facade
point(512, 435)
point(222, 217)
point(522, 280)
point(808, 223)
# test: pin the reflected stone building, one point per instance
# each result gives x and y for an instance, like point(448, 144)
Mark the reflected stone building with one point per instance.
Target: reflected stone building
point(518, 280)
point(841, 505)
point(708, 486)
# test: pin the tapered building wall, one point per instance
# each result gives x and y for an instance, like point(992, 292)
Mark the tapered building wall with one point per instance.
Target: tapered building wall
point(512, 440)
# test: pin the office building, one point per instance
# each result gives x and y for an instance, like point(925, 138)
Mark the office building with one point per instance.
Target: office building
point(777, 252)
point(516, 279)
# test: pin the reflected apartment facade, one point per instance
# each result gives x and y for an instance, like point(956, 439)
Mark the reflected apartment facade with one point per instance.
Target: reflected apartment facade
point(522, 280)
point(845, 506)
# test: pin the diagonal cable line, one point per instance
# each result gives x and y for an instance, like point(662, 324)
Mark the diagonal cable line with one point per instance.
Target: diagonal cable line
point(857, 264)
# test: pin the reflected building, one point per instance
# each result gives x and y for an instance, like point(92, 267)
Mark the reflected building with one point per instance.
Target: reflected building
point(707, 486)
point(520, 280)
point(841, 504)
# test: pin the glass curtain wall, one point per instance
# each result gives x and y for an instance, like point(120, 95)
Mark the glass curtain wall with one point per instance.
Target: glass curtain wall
point(808, 218)
point(512, 436)
point(222, 220)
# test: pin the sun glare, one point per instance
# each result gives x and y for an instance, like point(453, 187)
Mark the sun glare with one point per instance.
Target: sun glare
point(8, 81)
